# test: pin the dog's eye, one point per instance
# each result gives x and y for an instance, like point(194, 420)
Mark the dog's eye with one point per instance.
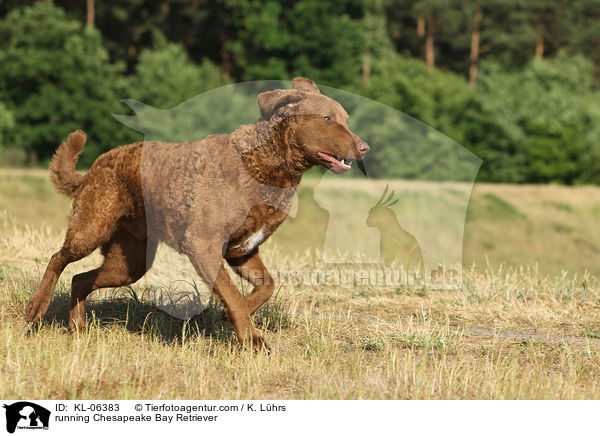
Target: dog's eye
point(327, 117)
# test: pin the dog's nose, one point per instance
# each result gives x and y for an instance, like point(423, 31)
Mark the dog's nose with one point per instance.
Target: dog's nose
point(363, 148)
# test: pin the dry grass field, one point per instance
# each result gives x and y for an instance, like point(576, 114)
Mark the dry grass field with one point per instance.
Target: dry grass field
point(525, 325)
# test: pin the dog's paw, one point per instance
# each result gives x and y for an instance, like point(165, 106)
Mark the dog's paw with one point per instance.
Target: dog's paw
point(77, 325)
point(35, 311)
point(260, 345)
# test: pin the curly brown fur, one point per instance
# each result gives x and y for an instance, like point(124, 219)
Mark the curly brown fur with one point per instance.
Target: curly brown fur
point(62, 166)
point(214, 200)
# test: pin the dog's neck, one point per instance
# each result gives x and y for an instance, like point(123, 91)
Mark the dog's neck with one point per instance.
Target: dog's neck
point(277, 161)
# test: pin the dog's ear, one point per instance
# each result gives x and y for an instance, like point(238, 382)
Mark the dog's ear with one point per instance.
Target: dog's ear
point(305, 85)
point(286, 131)
point(269, 102)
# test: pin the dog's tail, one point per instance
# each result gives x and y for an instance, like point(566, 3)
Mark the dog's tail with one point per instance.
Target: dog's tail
point(62, 166)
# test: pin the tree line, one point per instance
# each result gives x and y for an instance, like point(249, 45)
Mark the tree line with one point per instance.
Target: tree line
point(515, 82)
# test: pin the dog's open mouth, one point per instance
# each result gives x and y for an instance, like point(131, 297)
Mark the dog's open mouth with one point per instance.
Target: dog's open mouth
point(335, 164)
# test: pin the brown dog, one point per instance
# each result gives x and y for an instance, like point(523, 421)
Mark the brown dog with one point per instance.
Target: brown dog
point(213, 200)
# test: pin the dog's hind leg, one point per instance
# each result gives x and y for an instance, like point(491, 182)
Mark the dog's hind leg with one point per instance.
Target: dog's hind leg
point(38, 305)
point(252, 269)
point(90, 226)
point(126, 260)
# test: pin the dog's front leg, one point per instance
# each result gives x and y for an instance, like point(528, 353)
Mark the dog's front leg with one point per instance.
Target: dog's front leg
point(252, 268)
point(237, 311)
point(213, 271)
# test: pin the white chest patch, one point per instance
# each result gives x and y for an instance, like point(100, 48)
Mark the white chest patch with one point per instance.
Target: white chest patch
point(254, 239)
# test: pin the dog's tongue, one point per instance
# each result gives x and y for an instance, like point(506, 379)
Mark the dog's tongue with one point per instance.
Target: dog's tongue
point(335, 165)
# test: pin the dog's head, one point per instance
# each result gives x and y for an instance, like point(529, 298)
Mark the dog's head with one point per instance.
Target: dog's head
point(316, 140)
point(305, 99)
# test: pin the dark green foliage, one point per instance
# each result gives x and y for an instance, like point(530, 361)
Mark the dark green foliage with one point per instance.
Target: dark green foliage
point(537, 124)
point(55, 78)
point(7, 123)
point(272, 40)
point(161, 72)
point(530, 120)
point(549, 111)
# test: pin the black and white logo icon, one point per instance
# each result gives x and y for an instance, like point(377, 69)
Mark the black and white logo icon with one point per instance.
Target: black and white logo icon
point(26, 415)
